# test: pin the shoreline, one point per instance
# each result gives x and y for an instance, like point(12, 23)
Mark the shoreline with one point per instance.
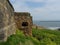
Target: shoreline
point(53, 28)
point(42, 27)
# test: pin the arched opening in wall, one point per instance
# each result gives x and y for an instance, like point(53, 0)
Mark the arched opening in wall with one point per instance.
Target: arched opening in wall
point(24, 24)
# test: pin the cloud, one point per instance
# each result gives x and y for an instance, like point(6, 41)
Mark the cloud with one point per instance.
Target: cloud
point(49, 11)
point(20, 6)
point(36, 0)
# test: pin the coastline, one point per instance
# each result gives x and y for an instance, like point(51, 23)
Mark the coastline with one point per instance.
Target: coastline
point(53, 28)
point(38, 27)
point(42, 27)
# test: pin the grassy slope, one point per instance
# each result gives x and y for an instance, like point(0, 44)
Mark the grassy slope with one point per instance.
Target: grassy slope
point(47, 37)
point(20, 39)
point(40, 37)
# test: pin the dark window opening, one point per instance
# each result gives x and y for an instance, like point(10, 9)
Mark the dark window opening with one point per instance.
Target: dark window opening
point(24, 24)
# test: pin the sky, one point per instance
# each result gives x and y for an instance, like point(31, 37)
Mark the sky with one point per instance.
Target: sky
point(40, 9)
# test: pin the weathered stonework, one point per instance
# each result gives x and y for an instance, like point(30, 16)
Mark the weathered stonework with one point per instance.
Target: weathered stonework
point(7, 24)
point(10, 20)
point(24, 22)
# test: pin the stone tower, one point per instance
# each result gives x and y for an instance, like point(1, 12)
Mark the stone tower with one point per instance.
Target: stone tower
point(24, 22)
point(7, 24)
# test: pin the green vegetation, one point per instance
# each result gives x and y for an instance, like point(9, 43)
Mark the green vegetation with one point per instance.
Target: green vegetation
point(40, 37)
point(20, 39)
point(47, 37)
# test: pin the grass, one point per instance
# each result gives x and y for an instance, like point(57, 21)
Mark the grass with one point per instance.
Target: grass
point(40, 37)
point(47, 37)
point(20, 39)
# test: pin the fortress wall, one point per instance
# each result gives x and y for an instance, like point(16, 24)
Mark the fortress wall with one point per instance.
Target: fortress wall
point(7, 24)
point(24, 22)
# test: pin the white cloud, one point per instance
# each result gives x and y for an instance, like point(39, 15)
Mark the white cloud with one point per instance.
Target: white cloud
point(50, 11)
point(20, 6)
point(36, 0)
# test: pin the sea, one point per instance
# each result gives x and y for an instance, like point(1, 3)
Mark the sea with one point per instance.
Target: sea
point(48, 24)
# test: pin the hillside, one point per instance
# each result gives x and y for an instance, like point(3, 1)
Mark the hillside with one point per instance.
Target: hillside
point(40, 37)
point(47, 37)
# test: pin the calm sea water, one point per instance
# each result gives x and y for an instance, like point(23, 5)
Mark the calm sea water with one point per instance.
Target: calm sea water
point(48, 24)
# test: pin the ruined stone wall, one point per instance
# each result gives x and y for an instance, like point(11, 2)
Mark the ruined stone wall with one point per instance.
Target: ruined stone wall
point(7, 24)
point(24, 22)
